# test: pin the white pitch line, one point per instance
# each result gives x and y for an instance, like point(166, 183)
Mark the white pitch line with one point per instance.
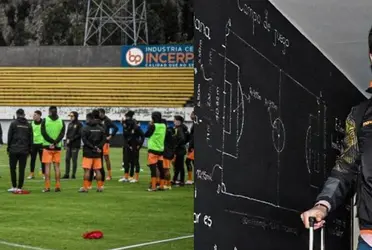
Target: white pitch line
point(21, 246)
point(153, 243)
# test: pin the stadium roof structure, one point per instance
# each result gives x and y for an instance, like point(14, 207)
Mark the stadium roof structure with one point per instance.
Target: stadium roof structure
point(339, 28)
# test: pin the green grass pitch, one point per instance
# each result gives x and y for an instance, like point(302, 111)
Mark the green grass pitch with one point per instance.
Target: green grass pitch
point(126, 213)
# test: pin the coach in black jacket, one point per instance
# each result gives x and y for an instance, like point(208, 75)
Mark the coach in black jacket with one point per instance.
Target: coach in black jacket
point(73, 144)
point(1, 135)
point(352, 169)
point(108, 125)
point(133, 141)
point(20, 139)
point(190, 155)
point(180, 140)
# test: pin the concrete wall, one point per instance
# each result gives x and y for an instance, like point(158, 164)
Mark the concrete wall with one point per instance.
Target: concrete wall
point(115, 113)
point(60, 56)
point(117, 141)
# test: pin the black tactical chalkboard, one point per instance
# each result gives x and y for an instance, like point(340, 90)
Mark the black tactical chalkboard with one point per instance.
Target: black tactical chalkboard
point(269, 107)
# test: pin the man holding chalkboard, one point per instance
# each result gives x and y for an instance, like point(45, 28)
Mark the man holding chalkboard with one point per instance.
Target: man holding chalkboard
point(354, 165)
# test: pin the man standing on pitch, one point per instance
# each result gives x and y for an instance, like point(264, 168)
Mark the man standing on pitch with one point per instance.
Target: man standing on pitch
point(133, 141)
point(94, 138)
point(37, 145)
point(20, 138)
point(1, 135)
point(180, 150)
point(53, 131)
point(190, 153)
point(156, 133)
point(108, 125)
point(168, 155)
point(73, 144)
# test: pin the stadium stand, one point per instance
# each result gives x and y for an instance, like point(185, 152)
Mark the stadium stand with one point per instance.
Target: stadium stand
point(82, 87)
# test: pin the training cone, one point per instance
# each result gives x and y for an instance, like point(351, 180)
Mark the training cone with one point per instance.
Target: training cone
point(22, 192)
point(93, 235)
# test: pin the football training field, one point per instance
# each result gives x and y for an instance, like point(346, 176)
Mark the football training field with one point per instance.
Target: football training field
point(127, 214)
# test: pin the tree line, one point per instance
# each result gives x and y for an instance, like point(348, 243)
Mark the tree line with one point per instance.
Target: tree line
point(62, 22)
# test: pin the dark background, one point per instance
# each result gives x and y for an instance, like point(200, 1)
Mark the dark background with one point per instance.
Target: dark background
point(266, 125)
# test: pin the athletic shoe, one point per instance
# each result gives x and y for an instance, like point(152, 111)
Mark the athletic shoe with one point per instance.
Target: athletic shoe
point(108, 178)
point(133, 181)
point(12, 190)
point(167, 187)
point(99, 190)
point(189, 182)
point(73, 177)
point(57, 190)
point(66, 176)
point(90, 187)
point(30, 177)
point(83, 190)
point(123, 179)
point(46, 190)
point(151, 190)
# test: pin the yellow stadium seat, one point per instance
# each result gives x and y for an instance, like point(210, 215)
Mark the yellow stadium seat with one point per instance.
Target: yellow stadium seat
point(129, 87)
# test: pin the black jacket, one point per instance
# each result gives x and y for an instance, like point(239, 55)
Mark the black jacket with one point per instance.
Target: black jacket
point(20, 137)
point(349, 170)
point(74, 134)
point(191, 138)
point(180, 140)
point(133, 134)
point(93, 136)
point(1, 135)
point(108, 124)
point(169, 144)
point(47, 137)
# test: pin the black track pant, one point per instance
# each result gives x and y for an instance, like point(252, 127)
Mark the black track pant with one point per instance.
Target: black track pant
point(179, 168)
point(133, 161)
point(126, 163)
point(71, 154)
point(15, 159)
point(189, 164)
point(37, 149)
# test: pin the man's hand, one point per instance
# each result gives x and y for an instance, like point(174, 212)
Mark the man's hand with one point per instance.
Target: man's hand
point(318, 212)
point(97, 149)
point(132, 131)
point(109, 137)
point(68, 141)
point(138, 147)
point(52, 146)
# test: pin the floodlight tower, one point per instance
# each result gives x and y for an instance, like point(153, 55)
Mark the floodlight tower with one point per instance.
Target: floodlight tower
point(106, 18)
